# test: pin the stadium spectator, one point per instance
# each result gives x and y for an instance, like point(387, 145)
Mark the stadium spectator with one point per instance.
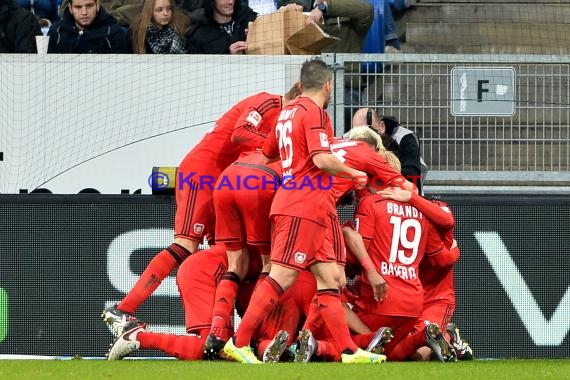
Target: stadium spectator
point(159, 29)
point(193, 10)
point(348, 20)
point(224, 29)
point(87, 28)
point(394, 8)
point(392, 43)
point(124, 11)
point(46, 11)
point(242, 128)
point(405, 143)
point(18, 28)
point(305, 129)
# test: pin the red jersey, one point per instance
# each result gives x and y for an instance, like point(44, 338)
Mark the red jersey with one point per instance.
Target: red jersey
point(254, 160)
point(396, 235)
point(303, 129)
point(358, 155)
point(436, 271)
point(243, 127)
point(437, 281)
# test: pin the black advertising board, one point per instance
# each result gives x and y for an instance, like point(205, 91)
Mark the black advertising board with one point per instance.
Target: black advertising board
point(63, 258)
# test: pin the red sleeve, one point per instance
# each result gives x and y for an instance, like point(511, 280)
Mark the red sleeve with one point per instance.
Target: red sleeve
point(254, 123)
point(318, 131)
point(364, 219)
point(441, 217)
point(270, 147)
point(434, 243)
point(443, 258)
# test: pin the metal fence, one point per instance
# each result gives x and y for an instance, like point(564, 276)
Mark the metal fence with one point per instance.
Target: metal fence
point(531, 145)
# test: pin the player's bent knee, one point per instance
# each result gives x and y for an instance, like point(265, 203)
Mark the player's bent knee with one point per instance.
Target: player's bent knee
point(189, 244)
point(283, 275)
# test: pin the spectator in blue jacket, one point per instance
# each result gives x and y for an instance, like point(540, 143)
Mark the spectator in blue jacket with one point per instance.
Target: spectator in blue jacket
point(87, 28)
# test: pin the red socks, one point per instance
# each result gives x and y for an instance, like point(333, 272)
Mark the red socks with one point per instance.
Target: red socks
point(223, 307)
point(406, 347)
point(183, 347)
point(158, 268)
point(314, 321)
point(264, 298)
point(330, 308)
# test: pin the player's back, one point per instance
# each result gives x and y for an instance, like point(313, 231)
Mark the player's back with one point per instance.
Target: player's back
point(254, 159)
point(399, 235)
point(257, 112)
point(303, 129)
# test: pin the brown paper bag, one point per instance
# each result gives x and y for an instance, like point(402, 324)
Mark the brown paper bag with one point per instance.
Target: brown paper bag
point(309, 40)
point(268, 34)
point(286, 32)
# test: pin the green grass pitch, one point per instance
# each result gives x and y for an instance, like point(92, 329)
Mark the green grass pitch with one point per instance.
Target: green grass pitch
point(172, 369)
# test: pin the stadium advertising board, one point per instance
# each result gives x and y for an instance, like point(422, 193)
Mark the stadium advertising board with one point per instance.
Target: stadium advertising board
point(64, 258)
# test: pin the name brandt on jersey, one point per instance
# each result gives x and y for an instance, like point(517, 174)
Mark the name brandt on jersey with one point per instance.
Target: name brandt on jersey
point(403, 210)
point(396, 270)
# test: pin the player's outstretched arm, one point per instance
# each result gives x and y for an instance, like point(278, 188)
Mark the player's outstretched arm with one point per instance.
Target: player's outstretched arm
point(355, 243)
point(444, 258)
point(330, 164)
point(440, 217)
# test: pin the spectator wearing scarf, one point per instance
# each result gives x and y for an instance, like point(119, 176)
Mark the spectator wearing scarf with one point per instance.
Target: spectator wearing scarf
point(159, 29)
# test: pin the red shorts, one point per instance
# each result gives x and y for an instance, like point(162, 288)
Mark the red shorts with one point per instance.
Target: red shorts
point(296, 241)
point(242, 214)
point(333, 248)
point(197, 278)
point(195, 216)
point(438, 312)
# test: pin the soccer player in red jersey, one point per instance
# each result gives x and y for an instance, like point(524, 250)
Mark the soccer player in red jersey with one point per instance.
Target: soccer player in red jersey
point(396, 238)
point(242, 199)
point(360, 153)
point(197, 278)
point(436, 275)
point(242, 128)
point(302, 138)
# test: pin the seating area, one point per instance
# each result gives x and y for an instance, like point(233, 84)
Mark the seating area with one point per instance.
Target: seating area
point(417, 92)
point(487, 26)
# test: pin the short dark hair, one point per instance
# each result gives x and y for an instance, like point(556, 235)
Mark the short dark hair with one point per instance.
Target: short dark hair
point(315, 73)
point(390, 122)
point(70, 2)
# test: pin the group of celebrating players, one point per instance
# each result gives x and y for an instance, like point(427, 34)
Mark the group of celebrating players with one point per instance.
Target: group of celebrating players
point(282, 258)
